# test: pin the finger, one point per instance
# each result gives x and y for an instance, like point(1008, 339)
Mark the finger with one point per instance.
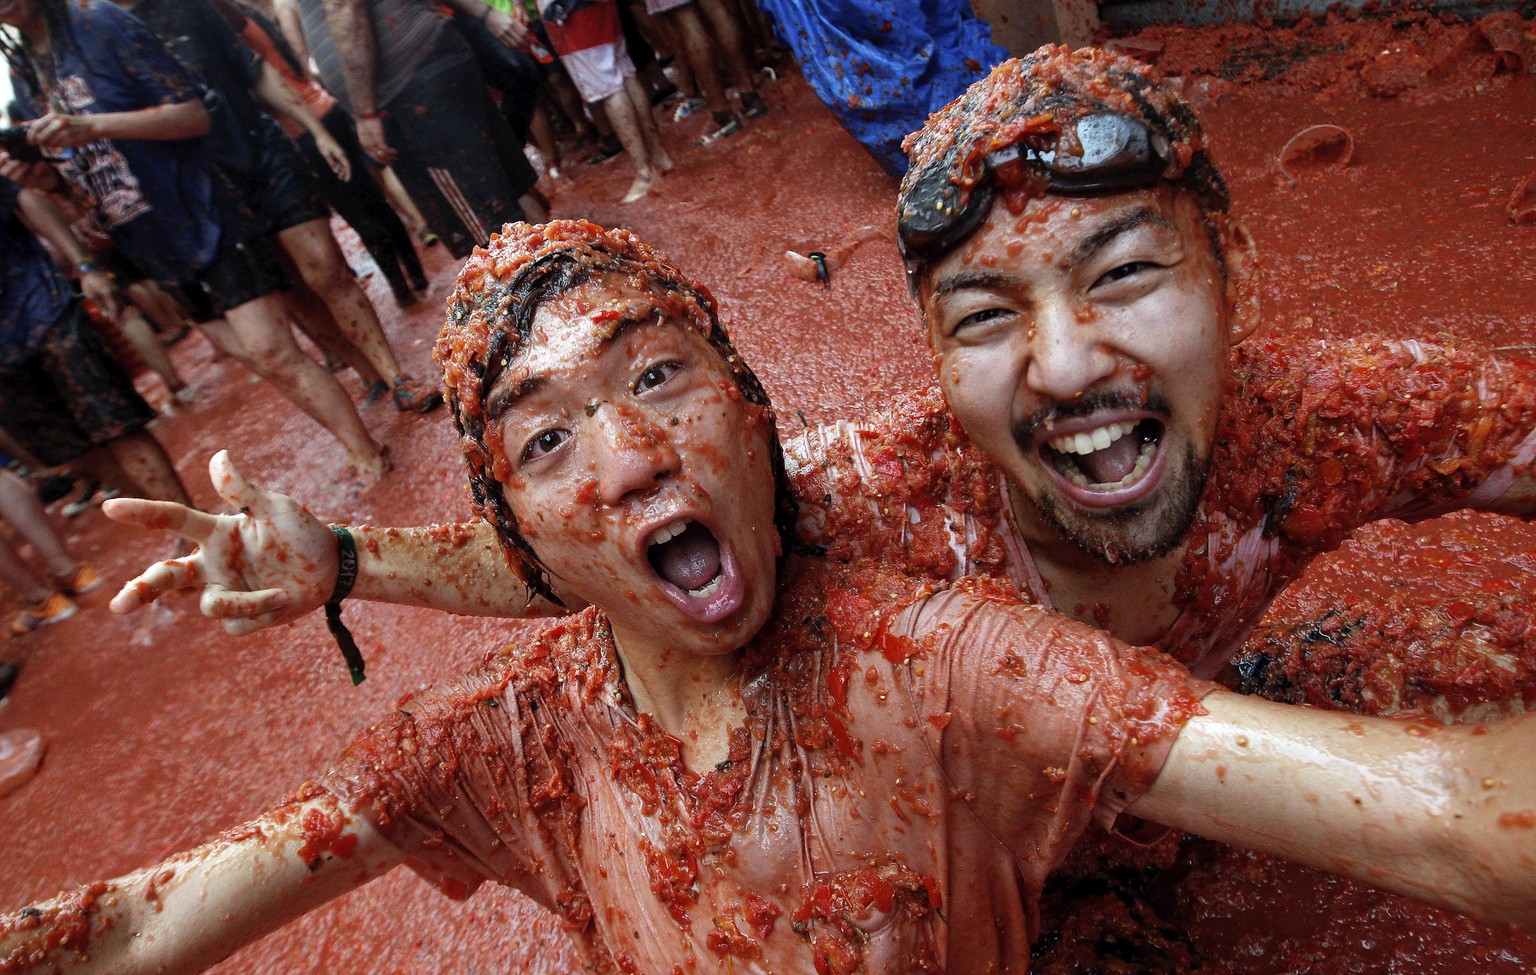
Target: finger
point(247, 625)
point(160, 578)
point(178, 519)
point(236, 490)
point(220, 603)
point(341, 166)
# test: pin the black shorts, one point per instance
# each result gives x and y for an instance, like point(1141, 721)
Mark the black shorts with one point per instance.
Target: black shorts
point(70, 395)
point(240, 273)
point(281, 192)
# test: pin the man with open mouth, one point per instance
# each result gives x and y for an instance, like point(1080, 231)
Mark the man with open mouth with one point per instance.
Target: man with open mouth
point(738, 759)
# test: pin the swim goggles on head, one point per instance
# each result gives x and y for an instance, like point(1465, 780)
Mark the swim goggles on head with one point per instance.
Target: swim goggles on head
point(1094, 153)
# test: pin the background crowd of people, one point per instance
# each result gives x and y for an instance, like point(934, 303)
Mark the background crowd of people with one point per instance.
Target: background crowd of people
point(417, 127)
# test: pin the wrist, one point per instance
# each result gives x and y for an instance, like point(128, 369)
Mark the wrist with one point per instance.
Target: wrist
point(374, 115)
point(87, 266)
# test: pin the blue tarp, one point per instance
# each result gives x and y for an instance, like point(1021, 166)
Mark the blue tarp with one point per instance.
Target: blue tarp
point(884, 67)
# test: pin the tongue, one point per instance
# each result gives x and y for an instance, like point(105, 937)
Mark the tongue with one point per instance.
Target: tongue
point(1111, 464)
point(689, 561)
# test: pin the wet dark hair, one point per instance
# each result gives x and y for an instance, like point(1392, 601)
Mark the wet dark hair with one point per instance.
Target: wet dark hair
point(1039, 97)
point(490, 314)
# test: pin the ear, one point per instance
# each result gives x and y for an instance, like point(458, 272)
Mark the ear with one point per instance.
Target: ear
point(1241, 256)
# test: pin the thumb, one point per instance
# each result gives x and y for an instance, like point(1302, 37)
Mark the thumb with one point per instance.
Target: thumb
point(232, 485)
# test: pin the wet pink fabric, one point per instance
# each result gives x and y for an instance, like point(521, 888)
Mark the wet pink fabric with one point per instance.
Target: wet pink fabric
point(904, 782)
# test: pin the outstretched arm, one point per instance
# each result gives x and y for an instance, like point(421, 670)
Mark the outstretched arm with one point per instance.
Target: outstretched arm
point(189, 912)
point(1443, 814)
point(274, 562)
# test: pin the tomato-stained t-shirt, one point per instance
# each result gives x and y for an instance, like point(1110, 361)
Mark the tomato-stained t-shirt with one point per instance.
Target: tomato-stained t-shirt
point(913, 763)
point(1316, 439)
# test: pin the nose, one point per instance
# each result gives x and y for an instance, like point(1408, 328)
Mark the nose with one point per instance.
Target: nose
point(1065, 351)
point(632, 454)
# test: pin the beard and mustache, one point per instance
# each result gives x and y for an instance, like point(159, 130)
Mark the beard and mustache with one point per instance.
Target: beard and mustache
point(1135, 533)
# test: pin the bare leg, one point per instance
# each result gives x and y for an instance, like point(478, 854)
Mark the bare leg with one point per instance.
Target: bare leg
point(642, 105)
point(544, 138)
point(315, 321)
point(698, 52)
point(398, 198)
point(159, 307)
point(20, 507)
point(620, 110)
point(143, 459)
point(148, 347)
point(325, 271)
point(259, 331)
point(728, 34)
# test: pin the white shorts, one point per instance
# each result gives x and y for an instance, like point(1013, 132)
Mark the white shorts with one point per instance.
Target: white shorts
point(662, 6)
point(599, 71)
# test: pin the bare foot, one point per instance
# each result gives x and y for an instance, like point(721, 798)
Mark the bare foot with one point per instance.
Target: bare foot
point(664, 162)
point(640, 187)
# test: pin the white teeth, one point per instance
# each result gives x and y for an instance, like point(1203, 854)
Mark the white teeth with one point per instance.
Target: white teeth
point(666, 533)
point(707, 591)
point(1143, 461)
point(1087, 443)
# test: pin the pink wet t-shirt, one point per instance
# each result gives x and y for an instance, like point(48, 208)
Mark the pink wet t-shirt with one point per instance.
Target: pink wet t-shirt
point(912, 766)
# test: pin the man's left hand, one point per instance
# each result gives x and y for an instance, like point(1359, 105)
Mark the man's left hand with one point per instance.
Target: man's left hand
point(509, 29)
point(335, 156)
point(57, 131)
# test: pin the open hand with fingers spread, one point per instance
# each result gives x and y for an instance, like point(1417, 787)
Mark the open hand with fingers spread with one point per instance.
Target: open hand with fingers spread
point(272, 562)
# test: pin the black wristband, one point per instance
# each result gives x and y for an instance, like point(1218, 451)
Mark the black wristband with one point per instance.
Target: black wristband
point(346, 577)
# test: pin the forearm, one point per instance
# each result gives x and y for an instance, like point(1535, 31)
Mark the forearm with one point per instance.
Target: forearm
point(292, 26)
point(189, 912)
point(453, 568)
point(45, 220)
point(182, 120)
point(1439, 814)
point(273, 92)
point(353, 35)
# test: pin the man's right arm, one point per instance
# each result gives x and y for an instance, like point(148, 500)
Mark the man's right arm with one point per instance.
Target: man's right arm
point(191, 911)
point(275, 562)
point(352, 32)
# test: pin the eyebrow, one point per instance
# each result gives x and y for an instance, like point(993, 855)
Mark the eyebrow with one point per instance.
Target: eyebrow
point(506, 395)
point(1101, 238)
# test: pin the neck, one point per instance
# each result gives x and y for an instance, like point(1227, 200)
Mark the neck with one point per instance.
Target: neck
point(1133, 602)
point(693, 697)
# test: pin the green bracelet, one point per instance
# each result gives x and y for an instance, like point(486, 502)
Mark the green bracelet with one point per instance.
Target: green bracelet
point(346, 577)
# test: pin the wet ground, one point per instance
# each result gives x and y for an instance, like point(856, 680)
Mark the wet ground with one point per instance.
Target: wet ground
point(160, 730)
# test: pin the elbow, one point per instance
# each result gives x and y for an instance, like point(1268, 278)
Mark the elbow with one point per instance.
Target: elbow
point(194, 120)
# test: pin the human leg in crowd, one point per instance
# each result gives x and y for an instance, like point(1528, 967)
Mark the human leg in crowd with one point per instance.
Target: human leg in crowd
point(730, 43)
point(70, 397)
point(697, 48)
point(458, 159)
point(20, 508)
point(256, 333)
point(361, 203)
point(324, 270)
point(404, 206)
point(629, 109)
point(314, 320)
point(147, 345)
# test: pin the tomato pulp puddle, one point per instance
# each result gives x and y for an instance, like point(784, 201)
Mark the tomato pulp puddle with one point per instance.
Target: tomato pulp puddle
point(161, 731)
